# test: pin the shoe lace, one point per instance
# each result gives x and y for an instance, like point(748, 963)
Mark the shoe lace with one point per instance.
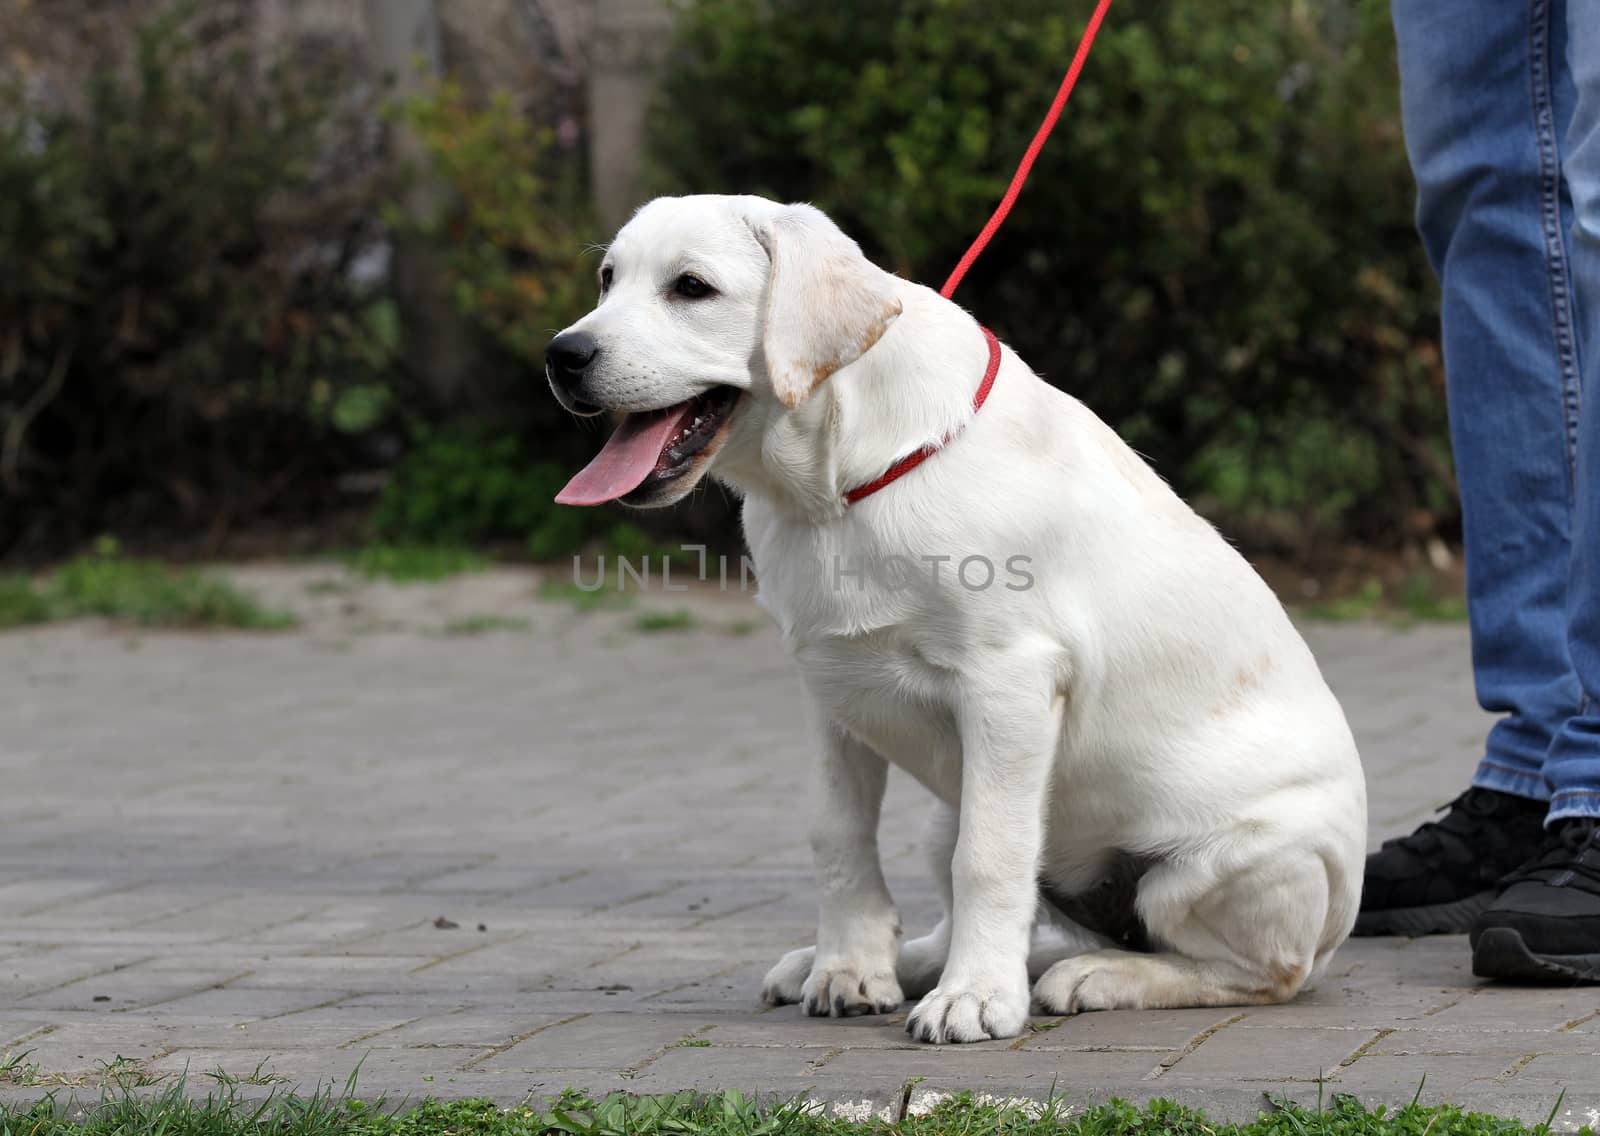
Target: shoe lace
point(1573, 848)
point(1458, 833)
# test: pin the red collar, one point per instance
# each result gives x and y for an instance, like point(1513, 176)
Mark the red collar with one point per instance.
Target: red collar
point(911, 461)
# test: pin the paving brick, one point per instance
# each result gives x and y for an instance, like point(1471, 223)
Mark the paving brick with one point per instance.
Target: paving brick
point(598, 1041)
point(1491, 1009)
point(276, 823)
point(128, 987)
point(258, 918)
point(789, 1028)
point(89, 1046)
point(14, 1029)
point(237, 1004)
point(747, 1069)
point(49, 967)
point(1559, 1070)
point(1510, 1044)
point(1264, 1055)
point(993, 1066)
point(23, 898)
point(1158, 1031)
point(478, 1029)
point(294, 972)
point(496, 877)
point(1442, 1079)
point(1588, 1024)
point(403, 1071)
point(520, 1003)
point(119, 910)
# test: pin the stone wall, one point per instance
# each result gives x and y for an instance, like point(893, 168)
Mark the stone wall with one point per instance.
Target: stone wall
point(584, 66)
point(625, 53)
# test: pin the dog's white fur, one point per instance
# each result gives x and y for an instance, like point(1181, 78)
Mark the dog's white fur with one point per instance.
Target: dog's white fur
point(1145, 695)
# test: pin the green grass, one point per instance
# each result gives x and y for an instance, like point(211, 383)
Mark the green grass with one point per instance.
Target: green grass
point(680, 619)
point(128, 1073)
point(260, 1075)
point(414, 563)
point(119, 1073)
point(479, 624)
point(1363, 604)
point(1418, 599)
point(105, 583)
point(170, 1112)
point(22, 601)
point(566, 591)
point(16, 1069)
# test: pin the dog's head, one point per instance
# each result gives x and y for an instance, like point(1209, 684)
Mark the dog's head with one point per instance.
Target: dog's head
point(715, 313)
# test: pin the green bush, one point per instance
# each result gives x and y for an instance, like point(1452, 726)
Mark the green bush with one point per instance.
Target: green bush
point(462, 485)
point(515, 232)
point(513, 242)
point(182, 337)
point(1215, 250)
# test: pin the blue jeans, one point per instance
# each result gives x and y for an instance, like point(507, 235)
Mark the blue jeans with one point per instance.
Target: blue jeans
point(1501, 102)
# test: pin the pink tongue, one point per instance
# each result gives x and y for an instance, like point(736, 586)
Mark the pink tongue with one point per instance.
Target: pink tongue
point(627, 459)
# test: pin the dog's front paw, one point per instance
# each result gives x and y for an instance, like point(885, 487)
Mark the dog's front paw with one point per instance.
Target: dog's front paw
point(842, 990)
point(785, 983)
point(839, 990)
point(970, 1013)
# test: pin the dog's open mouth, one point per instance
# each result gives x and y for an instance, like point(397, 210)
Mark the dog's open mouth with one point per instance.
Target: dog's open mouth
point(651, 445)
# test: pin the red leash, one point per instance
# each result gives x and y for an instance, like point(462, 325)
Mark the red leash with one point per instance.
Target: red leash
point(1026, 165)
point(911, 461)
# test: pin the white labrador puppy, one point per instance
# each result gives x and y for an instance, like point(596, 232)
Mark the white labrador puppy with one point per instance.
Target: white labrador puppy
point(1146, 794)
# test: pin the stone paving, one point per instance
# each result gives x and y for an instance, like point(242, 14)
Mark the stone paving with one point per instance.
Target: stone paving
point(564, 851)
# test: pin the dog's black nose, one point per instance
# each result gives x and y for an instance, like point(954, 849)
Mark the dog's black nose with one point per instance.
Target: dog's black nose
point(566, 361)
point(570, 353)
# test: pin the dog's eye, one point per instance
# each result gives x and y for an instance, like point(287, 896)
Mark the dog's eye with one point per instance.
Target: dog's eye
point(605, 280)
point(691, 287)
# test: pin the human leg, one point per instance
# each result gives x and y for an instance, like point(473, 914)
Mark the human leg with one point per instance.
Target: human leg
point(1486, 95)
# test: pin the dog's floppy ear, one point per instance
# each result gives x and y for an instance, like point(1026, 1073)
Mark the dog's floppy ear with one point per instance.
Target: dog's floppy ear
point(826, 302)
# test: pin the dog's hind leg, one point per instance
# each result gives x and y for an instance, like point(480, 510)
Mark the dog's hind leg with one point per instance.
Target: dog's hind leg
point(1251, 939)
point(1057, 937)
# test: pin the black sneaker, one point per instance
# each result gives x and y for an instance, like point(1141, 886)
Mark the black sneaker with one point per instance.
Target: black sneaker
point(1545, 925)
point(1444, 875)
